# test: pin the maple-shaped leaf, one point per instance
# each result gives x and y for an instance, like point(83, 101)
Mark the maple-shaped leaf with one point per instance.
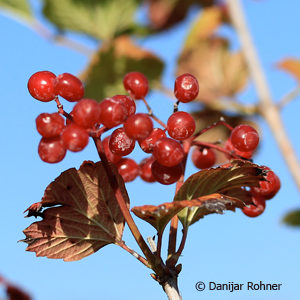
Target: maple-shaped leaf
point(292, 66)
point(86, 216)
point(159, 216)
point(231, 180)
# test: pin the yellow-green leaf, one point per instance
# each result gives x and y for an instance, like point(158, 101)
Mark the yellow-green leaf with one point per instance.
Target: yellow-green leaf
point(20, 8)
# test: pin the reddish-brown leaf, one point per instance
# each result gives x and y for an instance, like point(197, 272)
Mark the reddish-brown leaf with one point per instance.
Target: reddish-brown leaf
point(231, 181)
point(86, 216)
point(159, 216)
point(12, 291)
point(292, 66)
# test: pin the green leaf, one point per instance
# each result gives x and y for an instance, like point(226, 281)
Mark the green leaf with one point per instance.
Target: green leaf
point(159, 216)
point(104, 76)
point(18, 7)
point(103, 19)
point(229, 180)
point(292, 218)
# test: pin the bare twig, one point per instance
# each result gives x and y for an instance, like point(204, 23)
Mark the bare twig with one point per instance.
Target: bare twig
point(290, 96)
point(267, 107)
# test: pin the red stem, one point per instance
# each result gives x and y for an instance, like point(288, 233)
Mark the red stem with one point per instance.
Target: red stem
point(218, 123)
point(150, 112)
point(61, 109)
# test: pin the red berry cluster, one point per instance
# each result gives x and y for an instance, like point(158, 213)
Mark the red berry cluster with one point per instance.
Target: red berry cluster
point(168, 153)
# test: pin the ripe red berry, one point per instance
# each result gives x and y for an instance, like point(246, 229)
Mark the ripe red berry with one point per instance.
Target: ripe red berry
point(267, 189)
point(244, 138)
point(136, 84)
point(41, 86)
point(166, 175)
point(120, 143)
point(229, 147)
point(256, 209)
point(181, 125)
point(110, 156)
point(86, 113)
point(127, 102)
point(186, 88)
point(145, 169)
point(138, 126)
point(50, 125)
point(148, 143)
point(112, 113)
point(51, 150)
point(168, 152)
point(69, 87)
point(128, 169)
point(75, 138)
point(203, 158)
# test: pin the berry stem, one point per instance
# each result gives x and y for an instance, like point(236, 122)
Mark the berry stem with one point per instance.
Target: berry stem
point(61, 109)
point(154, 263)
point(159, 244)
point(150, 113)
point(218, 123)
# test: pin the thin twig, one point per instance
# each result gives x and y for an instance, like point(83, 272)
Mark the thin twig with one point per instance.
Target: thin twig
point(150, 113)
point(290, 96)
point(267, 107)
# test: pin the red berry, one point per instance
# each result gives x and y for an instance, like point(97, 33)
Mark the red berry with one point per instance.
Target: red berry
point(186, 88)
point(256, 209)
point(203, 158)
point(166, 175)
point(244, 138)
point(128, 169)
point(138, 126)
point(41, 86)
point(145, 169)
point(148, 143)
point(168, 152)
point(268, 189)
point(181, 125)
point(69, 87)
point(112, 113)
point(50, 125)
point(51, 150)
point(229, 147)
point(136, 84)
point(110, 156)
point(86, 113)
point(120, 143)
point(75, 138)
point(127, 102)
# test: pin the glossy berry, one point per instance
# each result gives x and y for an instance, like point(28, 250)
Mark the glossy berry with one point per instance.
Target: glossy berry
point(75, 138)
point(138, 126)
point(109, 155)
point(186, 88)
point(203, 158)
point(244, 138)
point(51, 150)
point(181, 125)
point(166, 175)
point(267, 189)
point(112, 113)
point(120, 143)
point(86, 113)
point(136, 84)
point(229, 147)
point(145, 169)
point(128, 102)
point(69, 87)
point(256, 209)
point(128, 169)
point(168, 152)
point(50, 125)
point(41, 86)
point(148, 143)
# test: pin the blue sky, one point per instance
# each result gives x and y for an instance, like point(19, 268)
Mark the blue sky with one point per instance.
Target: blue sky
point(224, 248)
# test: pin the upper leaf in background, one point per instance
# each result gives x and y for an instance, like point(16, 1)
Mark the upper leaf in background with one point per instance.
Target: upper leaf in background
point(103, 19)
point(229, 181)
point(292, 66)
point(20, 8)
point(292, 218)
point(104, 76)
point(163, 14)
point(86, 216)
